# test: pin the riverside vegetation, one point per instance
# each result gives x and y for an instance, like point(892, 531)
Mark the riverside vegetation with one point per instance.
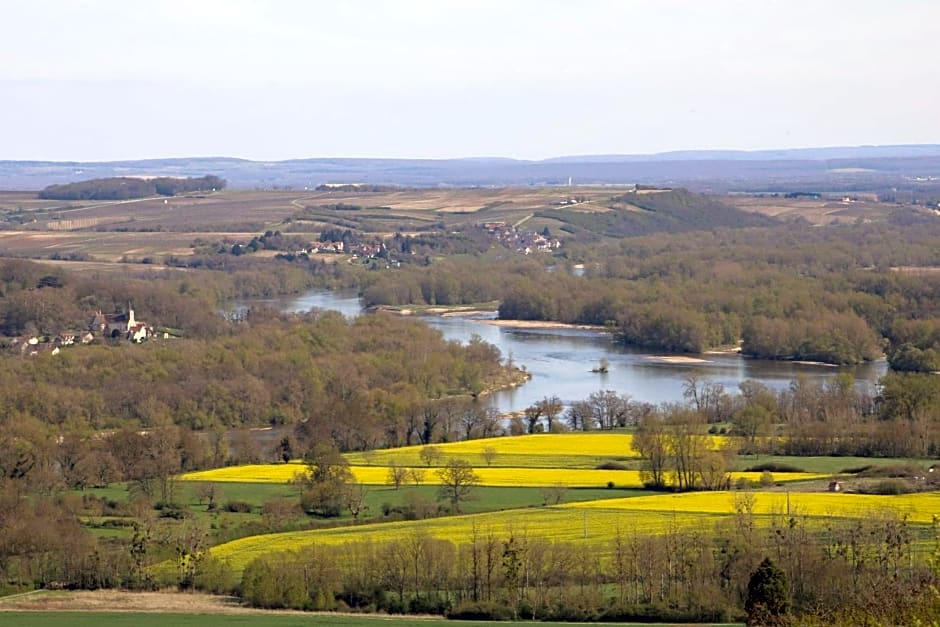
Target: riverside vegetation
point(366, 437)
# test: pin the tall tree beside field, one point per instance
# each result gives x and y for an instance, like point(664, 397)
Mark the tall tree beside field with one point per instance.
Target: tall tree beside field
point(687, 441)
point(457, 482)
point(649, 441)
point(675, 446)
point(326, 482)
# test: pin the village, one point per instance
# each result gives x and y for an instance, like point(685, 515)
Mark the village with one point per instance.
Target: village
point(111, 327)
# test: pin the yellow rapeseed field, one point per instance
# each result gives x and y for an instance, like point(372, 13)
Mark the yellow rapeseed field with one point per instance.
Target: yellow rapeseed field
point(594, 527)
point(543, 450)
point(596, 523)
point(919, 508)
point(514, 477)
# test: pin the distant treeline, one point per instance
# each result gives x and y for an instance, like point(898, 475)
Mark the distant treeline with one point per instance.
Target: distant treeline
point(124, 188)
point(788, 292)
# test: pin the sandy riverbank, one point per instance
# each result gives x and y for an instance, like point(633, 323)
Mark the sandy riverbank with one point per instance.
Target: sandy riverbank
point(676, 359)
point(542, 324)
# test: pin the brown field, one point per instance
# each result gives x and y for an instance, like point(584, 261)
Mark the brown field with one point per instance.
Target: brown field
point(122, 601)
point(822, 211)
point(102, 246)
point(156, 227)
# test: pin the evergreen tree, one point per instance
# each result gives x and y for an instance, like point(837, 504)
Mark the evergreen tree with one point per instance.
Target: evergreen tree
point(768, 595)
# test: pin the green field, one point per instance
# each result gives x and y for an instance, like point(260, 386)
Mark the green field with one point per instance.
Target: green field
point(382, 503)
point(828, 465)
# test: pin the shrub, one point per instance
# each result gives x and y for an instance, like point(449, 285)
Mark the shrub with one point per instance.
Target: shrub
point(743, 483)
point(483, 610)
point(892, 470)
point(609, 465)
point(425, 605)
point(889, 486)
point(172, 512)
point(774, 467)
point(238, 507)
point(854, 470)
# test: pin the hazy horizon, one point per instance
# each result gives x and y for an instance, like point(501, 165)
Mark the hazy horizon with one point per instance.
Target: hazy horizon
point(102, 80)
point(655, 156)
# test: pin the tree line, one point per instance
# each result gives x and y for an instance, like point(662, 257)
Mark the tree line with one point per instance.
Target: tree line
point(126, 188)
point(786, 292)
point(857, 571)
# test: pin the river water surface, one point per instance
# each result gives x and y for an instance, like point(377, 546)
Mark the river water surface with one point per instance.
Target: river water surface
point(560, 360)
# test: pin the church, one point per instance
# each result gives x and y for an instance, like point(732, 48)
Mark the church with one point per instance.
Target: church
point(120, 325)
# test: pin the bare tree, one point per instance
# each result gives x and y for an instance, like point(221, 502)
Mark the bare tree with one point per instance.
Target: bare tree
point(354, 497)
point(416, 475)
point(554, 494)
point(532, 415)
point(607, 407)
point(430, 455)
point(457, 482)
point(649, 441)
point(397, 474)
point(472, 418)
point(580, 417)
point(551, 407)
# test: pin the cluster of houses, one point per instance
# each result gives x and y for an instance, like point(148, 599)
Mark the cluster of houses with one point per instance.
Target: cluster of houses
point(116, 326)
point(525, 242)
point(357, 249)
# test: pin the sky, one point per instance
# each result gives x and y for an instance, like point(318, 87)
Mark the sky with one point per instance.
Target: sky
point(94, 80)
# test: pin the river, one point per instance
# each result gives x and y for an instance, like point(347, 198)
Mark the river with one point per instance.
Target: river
point(560, 360)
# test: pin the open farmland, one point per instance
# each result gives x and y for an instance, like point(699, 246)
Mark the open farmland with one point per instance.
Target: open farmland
point(541, 460)
point(261, 210)
point(547, 450)
point(816, 211)
point(495, 477)
point(109, 247)
point(107, 231)
point(597, 523)
point(918, 508)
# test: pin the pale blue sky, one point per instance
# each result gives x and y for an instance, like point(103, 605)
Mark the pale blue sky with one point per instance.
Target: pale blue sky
point(124, 79)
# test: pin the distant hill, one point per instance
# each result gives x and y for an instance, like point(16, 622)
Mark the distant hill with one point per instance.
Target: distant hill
point(862, 167)
point(673, 211)
point(786, 154)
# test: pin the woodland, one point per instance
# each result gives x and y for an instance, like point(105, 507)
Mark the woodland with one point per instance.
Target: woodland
point(93, 439)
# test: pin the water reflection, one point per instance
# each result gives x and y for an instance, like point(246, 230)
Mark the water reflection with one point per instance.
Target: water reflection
point(560, 360)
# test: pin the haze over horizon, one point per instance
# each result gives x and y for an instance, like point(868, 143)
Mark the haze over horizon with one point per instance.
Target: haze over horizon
point(103, 80)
